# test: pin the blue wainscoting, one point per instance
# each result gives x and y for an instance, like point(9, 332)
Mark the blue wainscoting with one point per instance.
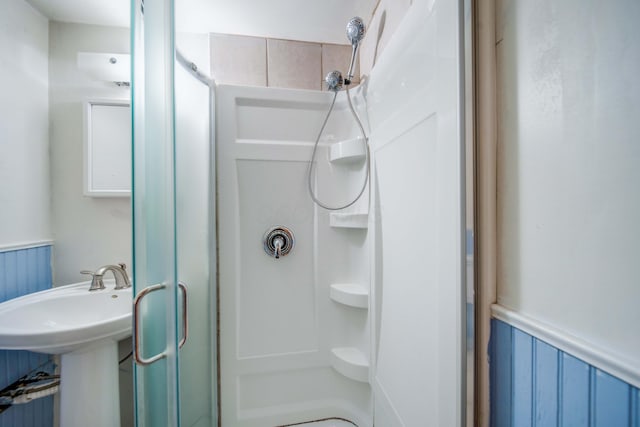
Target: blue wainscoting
point(22, 272)
point(535, 384)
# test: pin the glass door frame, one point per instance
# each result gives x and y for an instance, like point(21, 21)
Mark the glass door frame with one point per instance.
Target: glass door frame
point(156, 323)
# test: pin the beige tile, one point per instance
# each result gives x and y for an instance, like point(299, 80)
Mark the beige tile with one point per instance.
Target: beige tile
point(338, 57)
point(294, 64)
point(239, 59)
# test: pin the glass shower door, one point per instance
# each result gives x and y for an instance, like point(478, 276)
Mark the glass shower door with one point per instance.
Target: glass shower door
point(157, 329)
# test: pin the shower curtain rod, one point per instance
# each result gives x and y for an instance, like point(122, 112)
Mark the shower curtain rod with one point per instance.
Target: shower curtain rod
point(193, 69)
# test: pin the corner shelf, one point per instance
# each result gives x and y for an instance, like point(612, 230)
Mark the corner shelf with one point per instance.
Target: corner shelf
point(349, 151)
point(350, 362)
point(348, 220)
point(350, 294)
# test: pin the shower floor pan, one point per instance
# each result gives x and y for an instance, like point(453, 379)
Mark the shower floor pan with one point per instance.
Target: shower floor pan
point(331, 422)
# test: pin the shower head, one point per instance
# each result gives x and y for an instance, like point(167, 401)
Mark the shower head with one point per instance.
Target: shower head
point(355, 30)
point(355, 34)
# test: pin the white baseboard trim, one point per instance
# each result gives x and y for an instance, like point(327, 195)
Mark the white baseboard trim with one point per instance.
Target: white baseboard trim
point(25, 245)
point(626, 370)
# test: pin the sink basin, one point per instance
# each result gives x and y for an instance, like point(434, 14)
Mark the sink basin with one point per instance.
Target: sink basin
point(65, 319)
point(84, 328)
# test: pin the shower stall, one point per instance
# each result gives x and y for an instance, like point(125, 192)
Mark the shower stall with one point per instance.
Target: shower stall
point(257, 307)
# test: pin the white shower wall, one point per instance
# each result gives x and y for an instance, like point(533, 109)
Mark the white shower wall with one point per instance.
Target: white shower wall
point(413, 102)
point(278, 323)
point(279, 326)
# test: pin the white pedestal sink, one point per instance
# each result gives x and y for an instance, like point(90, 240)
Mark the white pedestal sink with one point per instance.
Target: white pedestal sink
point(84, 329)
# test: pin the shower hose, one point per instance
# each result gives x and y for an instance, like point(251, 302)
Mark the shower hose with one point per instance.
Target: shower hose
point(365, 141)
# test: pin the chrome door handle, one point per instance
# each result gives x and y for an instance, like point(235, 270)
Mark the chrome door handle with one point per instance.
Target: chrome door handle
point(185, 319)
point(137, 355)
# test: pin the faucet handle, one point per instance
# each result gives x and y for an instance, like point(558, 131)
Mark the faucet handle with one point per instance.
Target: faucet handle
point(278, 245)
point(96, 281)
point(125, 277)
point(278, 241)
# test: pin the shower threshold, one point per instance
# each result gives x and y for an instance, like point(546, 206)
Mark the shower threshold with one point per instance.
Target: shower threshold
point(327, 422)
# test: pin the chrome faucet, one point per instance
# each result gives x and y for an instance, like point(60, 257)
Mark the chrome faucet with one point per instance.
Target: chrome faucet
point(119, 273)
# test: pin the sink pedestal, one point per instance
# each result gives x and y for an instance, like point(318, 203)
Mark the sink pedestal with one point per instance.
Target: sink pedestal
point(89, 386)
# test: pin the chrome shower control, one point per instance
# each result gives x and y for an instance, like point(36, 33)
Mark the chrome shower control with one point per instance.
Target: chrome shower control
point(278, 241)
point(334, 81)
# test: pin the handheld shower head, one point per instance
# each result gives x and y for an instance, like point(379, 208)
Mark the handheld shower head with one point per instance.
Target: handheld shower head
point(355, 34)
point(355, 30)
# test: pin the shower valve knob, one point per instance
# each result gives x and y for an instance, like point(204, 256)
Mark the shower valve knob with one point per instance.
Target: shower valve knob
point(278, 241)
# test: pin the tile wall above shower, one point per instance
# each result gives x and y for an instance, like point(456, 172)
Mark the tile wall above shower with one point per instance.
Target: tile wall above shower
point(272, 62)
point(266, 62)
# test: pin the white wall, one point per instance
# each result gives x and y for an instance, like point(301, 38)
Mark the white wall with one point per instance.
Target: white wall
point(24, 124)
point(89, 232)
point(283, 19)
point(569, 151)
point(386, 17)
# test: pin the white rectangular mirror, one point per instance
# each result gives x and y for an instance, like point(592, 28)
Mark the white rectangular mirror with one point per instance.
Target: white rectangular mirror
point(107, 148)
